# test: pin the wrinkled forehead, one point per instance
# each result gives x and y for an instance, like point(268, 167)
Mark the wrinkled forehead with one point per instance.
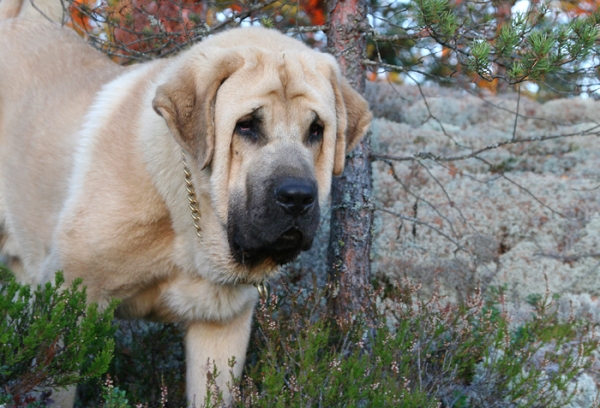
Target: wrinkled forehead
point(285, 86)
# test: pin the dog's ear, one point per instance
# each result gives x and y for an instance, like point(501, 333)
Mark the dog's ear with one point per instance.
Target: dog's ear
point(353, 120)
point(187, 102)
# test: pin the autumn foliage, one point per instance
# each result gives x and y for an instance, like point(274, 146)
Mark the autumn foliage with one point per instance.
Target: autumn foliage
point(431, 39)
point(315, 11)
point(579, 8)
point(140, 25)
point(79, 17)
point(146, 28)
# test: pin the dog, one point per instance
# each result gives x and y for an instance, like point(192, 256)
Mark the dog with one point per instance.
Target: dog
point(172, 185)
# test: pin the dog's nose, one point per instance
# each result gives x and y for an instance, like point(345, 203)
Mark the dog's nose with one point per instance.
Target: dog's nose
point(295, 196)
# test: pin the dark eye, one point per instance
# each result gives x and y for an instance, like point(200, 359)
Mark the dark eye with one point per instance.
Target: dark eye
point(247, 129)
point(315, 133)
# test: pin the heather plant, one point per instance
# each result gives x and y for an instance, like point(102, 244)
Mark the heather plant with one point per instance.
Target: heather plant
point(413, 353)
point(113, 396)
point(50, 338)
point(409, 350)
point(148, 368)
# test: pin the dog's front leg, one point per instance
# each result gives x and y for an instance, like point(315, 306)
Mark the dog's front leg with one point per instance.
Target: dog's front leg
point(209, 344)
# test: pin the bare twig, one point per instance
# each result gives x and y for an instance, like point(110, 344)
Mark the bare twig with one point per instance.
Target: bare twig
point(514, 134)
point(587, 189)
point(236, 15)
point(307, 29)
point(392, 67)
point(431, 115)
point(441, 186)
point(420, 198)
point(568, 258)
point(419, 222)
point(593, 131)
point(511, 181)
point(376, 36)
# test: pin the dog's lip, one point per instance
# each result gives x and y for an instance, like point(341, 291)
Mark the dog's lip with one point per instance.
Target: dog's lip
point(293, 234)
point(281, 251)
point(291, 238)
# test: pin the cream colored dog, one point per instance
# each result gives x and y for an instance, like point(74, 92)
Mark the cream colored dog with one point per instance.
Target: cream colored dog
point(92, 179)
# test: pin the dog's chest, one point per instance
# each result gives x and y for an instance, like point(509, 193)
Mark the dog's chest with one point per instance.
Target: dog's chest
point(186, 298)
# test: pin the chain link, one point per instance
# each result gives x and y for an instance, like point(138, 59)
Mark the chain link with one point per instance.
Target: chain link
point(189, 187)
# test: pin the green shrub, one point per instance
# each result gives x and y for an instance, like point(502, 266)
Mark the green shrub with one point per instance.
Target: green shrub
point(404, 352)
point(148, 362)
point(50, 338)
point(412, 353)
point(112, 396)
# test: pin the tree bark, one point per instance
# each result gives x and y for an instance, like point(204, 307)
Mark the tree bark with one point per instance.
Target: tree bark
point(351, 208)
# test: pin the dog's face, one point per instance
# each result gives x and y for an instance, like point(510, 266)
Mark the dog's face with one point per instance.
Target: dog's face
point(273, 205)
point(271, 127)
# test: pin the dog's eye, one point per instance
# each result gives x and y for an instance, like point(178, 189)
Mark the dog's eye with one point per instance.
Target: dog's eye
point(247, 129)
point(315, 133)
point(245, 126)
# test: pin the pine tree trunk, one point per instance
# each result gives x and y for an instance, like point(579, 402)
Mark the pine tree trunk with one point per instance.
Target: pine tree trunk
point(351, 209)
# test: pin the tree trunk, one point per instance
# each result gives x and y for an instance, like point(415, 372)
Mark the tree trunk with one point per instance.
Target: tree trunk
point(351, 208)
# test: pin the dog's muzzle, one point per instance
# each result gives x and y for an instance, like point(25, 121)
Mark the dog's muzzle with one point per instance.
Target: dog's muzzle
point(276, 224)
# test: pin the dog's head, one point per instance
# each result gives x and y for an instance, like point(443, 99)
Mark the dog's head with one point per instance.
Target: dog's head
point(270, 120)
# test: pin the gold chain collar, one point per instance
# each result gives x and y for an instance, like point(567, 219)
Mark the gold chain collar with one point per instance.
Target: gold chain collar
point(189, 187)
point(263, 286)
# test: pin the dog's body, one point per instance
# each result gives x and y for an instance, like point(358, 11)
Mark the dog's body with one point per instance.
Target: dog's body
point(92, 180)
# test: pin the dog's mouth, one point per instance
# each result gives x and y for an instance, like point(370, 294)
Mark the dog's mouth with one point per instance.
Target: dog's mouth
point(292, 238)
point(281, 251)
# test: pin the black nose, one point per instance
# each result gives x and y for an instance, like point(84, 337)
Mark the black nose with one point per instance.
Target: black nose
point(295, 196)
